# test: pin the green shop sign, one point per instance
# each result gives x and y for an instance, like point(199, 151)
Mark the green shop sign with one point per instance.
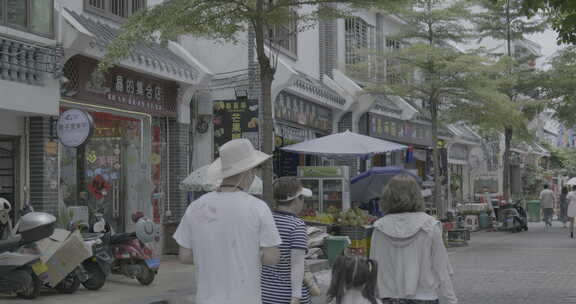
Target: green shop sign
point(320, 171)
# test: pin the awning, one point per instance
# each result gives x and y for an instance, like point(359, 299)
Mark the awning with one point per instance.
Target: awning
point(151, 57)
point(344, 145)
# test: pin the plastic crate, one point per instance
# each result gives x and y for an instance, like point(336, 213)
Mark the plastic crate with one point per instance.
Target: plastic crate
point(360, 247)
point(356, 233)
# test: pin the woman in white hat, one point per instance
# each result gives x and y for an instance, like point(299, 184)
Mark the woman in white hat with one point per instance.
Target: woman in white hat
point(283, 283)
point(229, 233)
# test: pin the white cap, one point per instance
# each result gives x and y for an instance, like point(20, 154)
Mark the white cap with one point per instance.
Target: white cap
point(303, 191)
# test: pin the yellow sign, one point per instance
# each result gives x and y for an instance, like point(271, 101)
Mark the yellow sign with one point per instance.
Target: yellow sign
point(51, 148)
point(440, 143)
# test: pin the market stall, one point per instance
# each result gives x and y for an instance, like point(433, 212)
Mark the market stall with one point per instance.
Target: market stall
point(331, 206)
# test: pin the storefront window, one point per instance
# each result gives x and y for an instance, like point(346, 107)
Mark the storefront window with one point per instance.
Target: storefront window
point(106, 173)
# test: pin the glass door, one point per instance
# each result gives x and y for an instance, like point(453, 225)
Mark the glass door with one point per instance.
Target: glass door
point(311, 204)
point(332, 195)
point(103, 179)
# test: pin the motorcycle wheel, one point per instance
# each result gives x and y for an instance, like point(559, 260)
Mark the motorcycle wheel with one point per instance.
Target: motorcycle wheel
point(97, 277)
point(146, 276)
point(69, 285)
point(33, 290)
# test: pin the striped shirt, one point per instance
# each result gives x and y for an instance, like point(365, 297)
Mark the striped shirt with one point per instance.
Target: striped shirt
point(276, 280)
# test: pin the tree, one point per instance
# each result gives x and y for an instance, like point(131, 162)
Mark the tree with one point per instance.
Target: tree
point(559, 84)
point(430, 71)
point(561, 14)
point(505, 21)
point(224, 20)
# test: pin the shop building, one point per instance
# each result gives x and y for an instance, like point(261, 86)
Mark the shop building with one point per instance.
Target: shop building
point(30, 69)
point(141, 139)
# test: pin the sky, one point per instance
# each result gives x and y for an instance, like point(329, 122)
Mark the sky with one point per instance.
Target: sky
point(547, 41)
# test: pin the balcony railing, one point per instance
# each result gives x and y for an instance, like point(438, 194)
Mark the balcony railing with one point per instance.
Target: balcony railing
point(27, 63)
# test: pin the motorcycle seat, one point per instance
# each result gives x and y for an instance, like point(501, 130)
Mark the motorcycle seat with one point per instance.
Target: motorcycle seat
point(10, 244)
point(120, 237)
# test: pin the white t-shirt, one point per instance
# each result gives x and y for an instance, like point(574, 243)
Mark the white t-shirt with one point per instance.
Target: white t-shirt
point(225, 231)
point(571, 198)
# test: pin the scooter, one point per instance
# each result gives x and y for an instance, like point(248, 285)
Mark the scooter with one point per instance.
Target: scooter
point(96, 268)
point(514, 217)
point(132, 257)
point(71, 282)
point(21, 273)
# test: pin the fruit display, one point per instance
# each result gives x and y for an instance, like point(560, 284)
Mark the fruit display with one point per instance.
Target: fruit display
point(355, 217)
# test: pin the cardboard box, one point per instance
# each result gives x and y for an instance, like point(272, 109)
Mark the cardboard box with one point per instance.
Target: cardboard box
point(62, 252)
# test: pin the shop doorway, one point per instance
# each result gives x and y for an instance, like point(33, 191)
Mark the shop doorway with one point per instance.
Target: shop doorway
point(103, 175)
point(8, 171)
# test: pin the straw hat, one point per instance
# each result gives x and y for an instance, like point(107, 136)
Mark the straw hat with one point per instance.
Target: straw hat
point(236, 156)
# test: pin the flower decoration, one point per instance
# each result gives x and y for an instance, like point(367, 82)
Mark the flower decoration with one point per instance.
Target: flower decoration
point(99, 187)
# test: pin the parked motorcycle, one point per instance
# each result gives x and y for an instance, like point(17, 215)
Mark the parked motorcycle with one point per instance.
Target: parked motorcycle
point(72, 281)
point(121, 253)
point(20, 273)
point(96, 268)
point(515, 218)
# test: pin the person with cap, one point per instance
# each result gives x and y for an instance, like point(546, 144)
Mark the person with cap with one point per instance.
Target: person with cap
point(283, 283)
point(228, 234)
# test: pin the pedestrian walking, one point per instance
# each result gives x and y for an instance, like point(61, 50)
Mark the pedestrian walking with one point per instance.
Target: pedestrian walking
point(353, 281)
point(564, 206)
point(547, 205)
point(571, 197)
point(407, 244)
point(228, 234)
point(283, 283)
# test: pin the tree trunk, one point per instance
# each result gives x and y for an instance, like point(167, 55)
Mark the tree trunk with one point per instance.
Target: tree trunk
point(438, 202)
point(266, 74)
point(506, 172)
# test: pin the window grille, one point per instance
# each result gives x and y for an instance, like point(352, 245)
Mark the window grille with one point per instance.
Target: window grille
point(115, 9)
point(285, 36)
point(361, 37)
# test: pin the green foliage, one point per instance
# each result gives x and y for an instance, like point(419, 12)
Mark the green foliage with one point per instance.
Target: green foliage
point(558, 84)
point(221, 20)
point(560, 13)
point(533, 180)
point(562, 160)
point(499, 16)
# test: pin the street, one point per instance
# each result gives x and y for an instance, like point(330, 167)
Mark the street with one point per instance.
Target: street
point(531, 267)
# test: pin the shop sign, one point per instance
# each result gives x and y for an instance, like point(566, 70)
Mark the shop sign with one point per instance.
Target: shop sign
point(124, 89)
point(235, 119)
point(399, 130)
point(320, 171)
point(295, 109)
point(74, 128)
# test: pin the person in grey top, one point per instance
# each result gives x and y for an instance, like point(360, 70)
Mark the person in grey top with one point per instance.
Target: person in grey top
point(547, 205)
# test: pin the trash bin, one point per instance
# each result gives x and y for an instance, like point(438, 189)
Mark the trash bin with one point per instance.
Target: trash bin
point(335, 245)
point(533, 209)
point(484, 220)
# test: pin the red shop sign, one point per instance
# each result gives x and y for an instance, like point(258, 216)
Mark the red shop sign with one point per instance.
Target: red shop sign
point(119, 88)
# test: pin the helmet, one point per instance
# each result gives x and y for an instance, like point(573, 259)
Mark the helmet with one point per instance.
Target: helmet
point(5, 209)
point(137, 216)
point(145, 230)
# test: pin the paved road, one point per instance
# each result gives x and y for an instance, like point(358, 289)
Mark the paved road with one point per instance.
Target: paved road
point(534, 267)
